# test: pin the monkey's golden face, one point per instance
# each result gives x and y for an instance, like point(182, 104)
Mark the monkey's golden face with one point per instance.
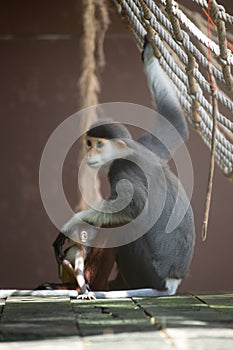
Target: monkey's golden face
point(101, 152)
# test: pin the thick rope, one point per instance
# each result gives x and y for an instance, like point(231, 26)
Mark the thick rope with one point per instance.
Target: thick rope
point(169, 28)
point(95, 25)
point(222, 15)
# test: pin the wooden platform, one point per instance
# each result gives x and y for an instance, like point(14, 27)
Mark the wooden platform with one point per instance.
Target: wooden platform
point(182, 322)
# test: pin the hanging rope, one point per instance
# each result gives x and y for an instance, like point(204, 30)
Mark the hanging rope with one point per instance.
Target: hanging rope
point(213, 89)
point(95, 24)
point(170, 30)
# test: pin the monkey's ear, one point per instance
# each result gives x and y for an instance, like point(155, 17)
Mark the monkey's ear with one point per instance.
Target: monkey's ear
point(120, 144)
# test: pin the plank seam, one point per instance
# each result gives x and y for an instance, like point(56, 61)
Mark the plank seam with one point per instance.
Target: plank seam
point(158, 325)
point(208, 305)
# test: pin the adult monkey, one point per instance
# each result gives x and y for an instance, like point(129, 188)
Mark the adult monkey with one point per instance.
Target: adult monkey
point(158, 260)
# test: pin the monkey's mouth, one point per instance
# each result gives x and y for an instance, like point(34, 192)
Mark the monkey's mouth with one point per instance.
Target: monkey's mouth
point(93, 163)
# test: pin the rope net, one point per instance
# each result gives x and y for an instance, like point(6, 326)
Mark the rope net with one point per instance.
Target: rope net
point(186, 53)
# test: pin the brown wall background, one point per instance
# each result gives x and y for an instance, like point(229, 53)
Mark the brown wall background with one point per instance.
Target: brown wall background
point(38, 91)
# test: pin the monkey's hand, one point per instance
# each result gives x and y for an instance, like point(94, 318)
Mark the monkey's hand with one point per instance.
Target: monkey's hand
point(57, 245)
point(86, 296)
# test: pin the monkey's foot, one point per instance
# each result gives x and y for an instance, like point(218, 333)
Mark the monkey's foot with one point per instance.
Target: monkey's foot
point(57, 245)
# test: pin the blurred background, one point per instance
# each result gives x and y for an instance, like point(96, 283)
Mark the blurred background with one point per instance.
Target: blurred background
point(40, 67)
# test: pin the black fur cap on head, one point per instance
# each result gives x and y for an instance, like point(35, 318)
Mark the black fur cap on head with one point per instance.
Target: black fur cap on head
point(108, 129)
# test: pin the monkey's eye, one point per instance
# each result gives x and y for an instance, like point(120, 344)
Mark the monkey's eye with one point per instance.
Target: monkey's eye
point(88, 143)
point(99, 144)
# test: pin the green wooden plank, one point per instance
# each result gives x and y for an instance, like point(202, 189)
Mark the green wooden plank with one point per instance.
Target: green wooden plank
point(128, 341)
point(67, 343)
point(186, 312)
point(111, 316)
point(27, 318)
point(201, 338)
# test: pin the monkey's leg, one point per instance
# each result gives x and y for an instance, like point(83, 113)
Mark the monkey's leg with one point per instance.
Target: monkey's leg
point(56, 286)
point(98, 266)
point(57, 245)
